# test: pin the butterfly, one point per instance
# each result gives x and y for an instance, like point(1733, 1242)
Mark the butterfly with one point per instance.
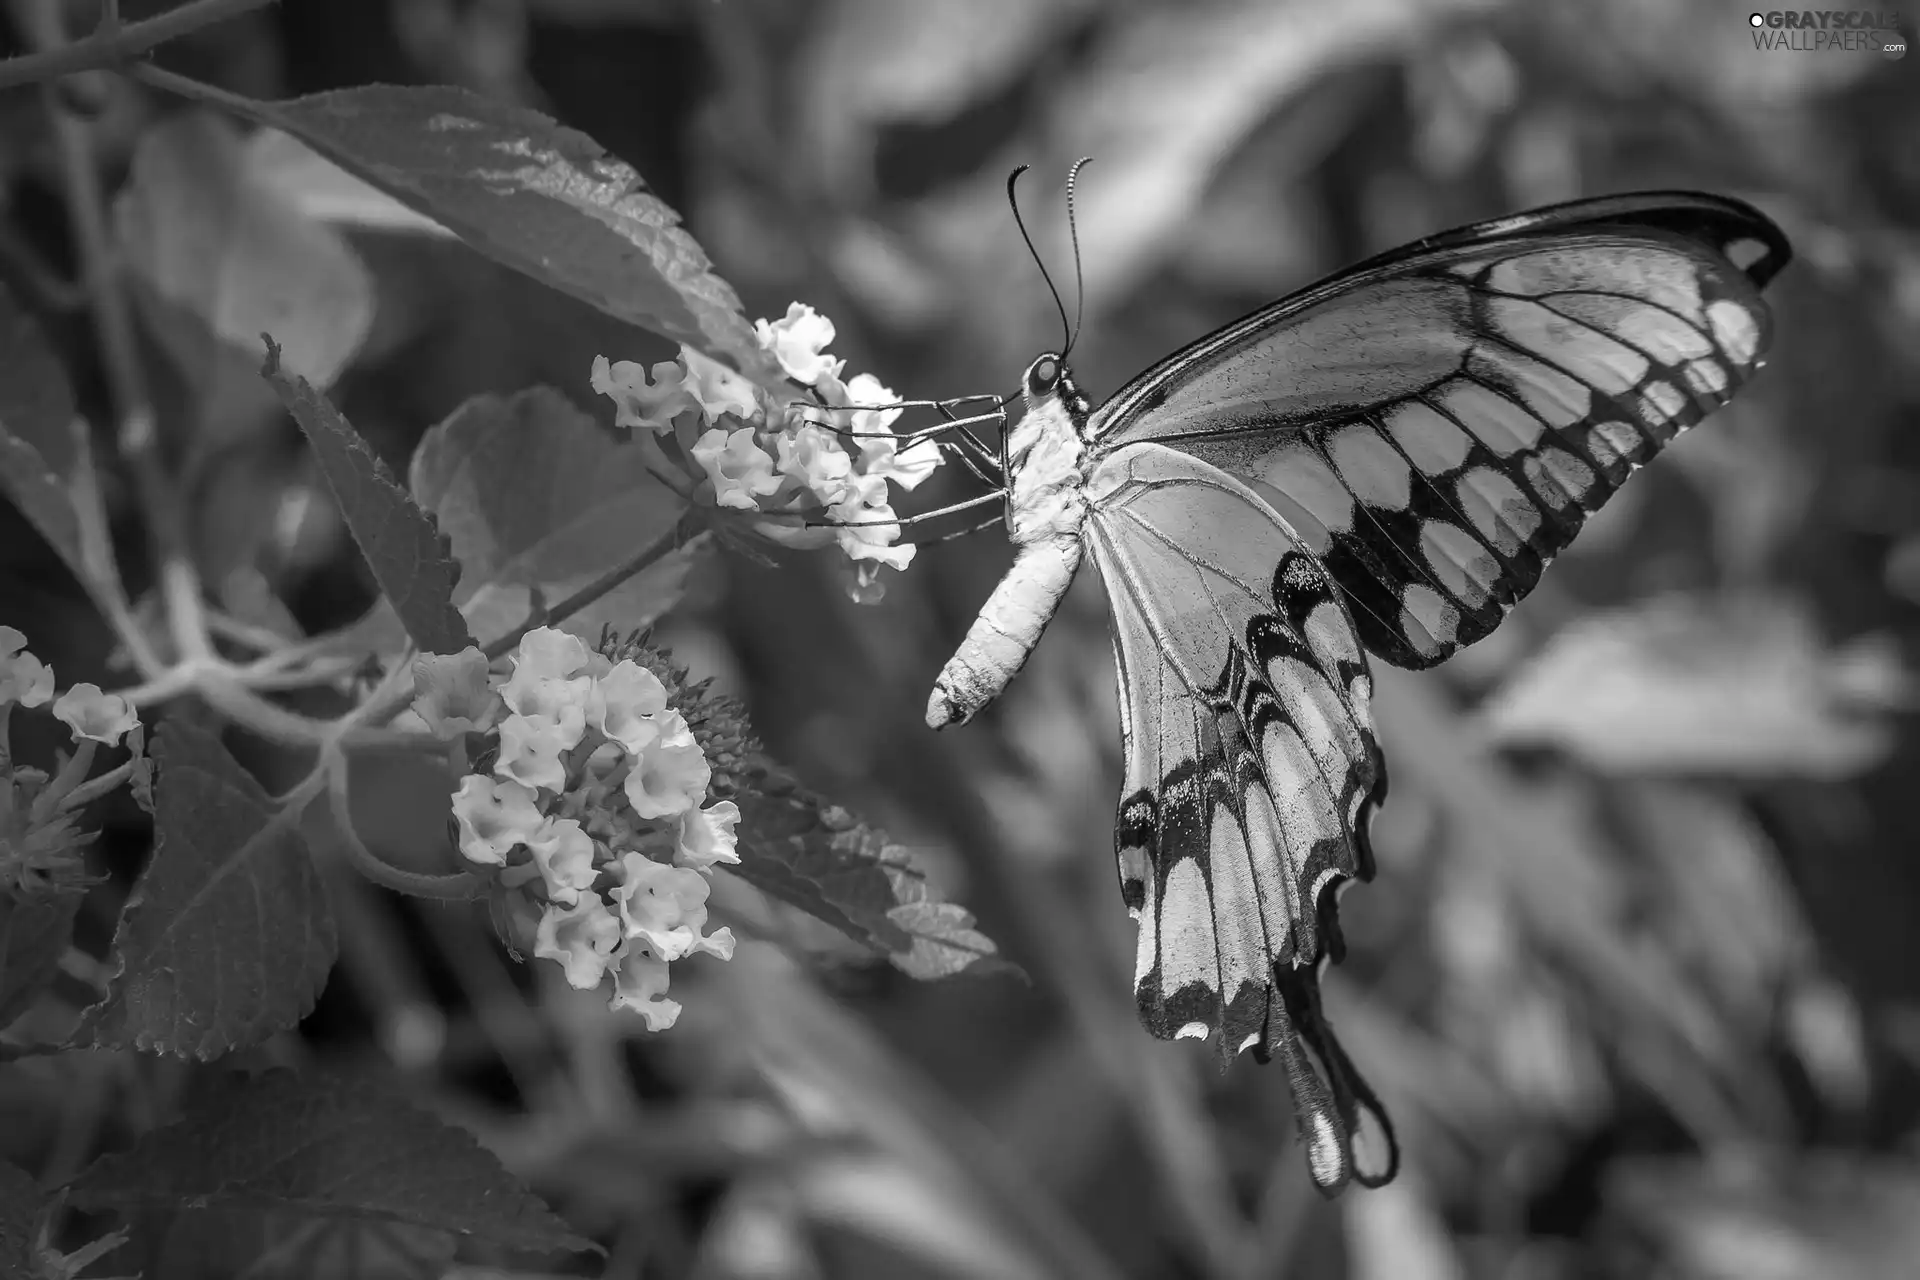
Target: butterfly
point(1383, 463)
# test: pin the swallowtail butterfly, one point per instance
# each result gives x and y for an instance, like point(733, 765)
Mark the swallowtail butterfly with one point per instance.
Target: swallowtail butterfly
point(1382, 463)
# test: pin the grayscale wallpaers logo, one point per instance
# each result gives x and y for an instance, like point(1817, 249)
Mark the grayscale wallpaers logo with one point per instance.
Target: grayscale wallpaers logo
point(1830, 31)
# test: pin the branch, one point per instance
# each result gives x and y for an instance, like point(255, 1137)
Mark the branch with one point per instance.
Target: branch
point(112, 45)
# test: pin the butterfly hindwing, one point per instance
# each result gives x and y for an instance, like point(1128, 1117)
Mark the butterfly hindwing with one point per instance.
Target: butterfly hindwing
point(1251, 760)
point(1436, 425)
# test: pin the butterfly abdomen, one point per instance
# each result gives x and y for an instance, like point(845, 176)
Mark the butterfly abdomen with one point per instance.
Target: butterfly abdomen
point(1045, 511)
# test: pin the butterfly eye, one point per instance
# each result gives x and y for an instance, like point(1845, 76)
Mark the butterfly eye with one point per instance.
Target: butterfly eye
point(1045, 372)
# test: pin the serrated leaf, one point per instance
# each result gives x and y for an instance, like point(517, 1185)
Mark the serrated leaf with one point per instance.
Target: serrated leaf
point(37, 424)
point(1733, 687)
point(796, 847)
point(221, 257)
point(227, 938)
point(324, 1146)
point(34, 933)
point(409, 556)
point(534, 495)
point(528, 192)
point(23, 1206)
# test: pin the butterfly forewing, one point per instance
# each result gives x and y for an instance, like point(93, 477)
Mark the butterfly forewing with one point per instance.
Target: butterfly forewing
point(1436, 425)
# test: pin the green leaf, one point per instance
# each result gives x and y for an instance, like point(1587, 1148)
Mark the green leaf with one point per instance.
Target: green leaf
point(532, 194)
point(407, 553)
point(818, 857)
point(38, 446)
point(227, 938)
point(23, 1206)
point(1733, 687)
point(34, 933)
point(325, 1146)
point(221, 256)
point(535, 495)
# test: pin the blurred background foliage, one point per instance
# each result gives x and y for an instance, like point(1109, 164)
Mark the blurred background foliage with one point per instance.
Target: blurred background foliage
point(1640, 975)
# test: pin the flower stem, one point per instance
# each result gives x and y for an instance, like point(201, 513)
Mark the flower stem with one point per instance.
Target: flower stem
point(689, 526)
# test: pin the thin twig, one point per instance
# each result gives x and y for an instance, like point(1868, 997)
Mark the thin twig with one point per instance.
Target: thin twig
point(684, 530)
point(114, 44)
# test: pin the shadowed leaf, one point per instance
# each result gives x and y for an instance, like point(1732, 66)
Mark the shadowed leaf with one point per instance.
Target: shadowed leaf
point(38, 451)
point(34, 933)
point(227, 938)
point(329, 1147)
point(408, 555)
point(532, 194)
point(533, 494)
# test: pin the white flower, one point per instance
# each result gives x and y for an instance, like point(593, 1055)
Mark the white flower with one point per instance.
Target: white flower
point(640, 984)
point(623, 705)
point(707, 836)
point(581, 937)
point(867, 529)
point(23, 678)
point(564, 853)
point(718, 389)
point(665, 908)
point(548, 653)
point(530, 751)
point(494, 815)
point(740, 469)
point(637, 404)
point(90, 713)
point(799, 342)
point(670, 776)
point(454, 695)
point(813, 456)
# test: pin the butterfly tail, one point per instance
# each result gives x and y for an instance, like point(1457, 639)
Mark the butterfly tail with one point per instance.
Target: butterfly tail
point(1327, 1099)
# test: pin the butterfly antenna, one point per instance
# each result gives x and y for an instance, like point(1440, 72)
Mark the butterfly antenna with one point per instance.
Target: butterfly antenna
point(1079, 279)
point(1021, 222)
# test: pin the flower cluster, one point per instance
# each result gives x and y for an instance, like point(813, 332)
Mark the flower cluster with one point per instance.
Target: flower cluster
point(40, 840)
point(819, 459)
point(593, 810)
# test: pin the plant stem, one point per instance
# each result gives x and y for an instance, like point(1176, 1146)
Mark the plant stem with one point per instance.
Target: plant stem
point(115, 42)
point(685, 529)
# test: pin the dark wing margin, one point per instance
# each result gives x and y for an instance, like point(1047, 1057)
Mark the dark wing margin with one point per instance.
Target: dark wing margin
point(1437, 424)
point(1252, 772)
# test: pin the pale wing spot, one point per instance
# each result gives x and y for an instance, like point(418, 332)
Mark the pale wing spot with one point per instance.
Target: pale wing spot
point(1253, 1038)
point(1549, 393)
point(1326, 1152)
point(1662, 401)
point(1744, 252)
point(1736, 330)
point(1500, 513)
point(1613, 442)
point(1575, 476)
point(1458, 561)
point(1314, 708)
point(1241, 933)
point(1501, 425)
point(1192, 1031)
point(1664, 279)
point(1279, 895)
point(1305, 526)
point(1375, 473)
point(1543, 484)
point(1430, 440)
point(1134, 870)
point(1660, 334)
point(1594, 358)
point(1707, 378)
point(1329, 636)
point(1147, 942)
point(1187, 953)
point(1428, 619)
point(1327, 875)
point(1300, 473)
point(1300, 797)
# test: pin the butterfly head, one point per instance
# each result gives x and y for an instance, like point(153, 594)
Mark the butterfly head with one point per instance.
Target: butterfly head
point(1048, 380)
